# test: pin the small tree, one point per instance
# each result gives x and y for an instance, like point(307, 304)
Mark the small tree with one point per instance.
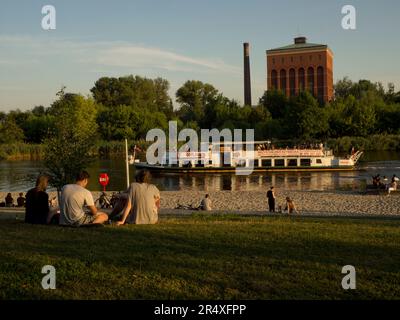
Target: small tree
point(68, 148)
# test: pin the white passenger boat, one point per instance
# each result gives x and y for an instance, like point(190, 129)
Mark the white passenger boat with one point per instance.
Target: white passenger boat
point(261, 157)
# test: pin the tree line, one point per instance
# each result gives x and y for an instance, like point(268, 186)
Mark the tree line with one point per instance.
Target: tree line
point(127, 107)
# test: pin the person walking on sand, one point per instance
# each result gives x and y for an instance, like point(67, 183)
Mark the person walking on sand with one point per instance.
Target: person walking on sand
point(143, 201)
point(271, 199)
point(75, 198)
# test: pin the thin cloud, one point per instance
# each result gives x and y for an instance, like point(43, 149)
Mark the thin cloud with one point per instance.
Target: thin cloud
point(116, 54)
point(132, 56)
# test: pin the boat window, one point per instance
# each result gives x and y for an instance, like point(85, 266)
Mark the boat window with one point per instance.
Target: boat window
point(319, 161)
point(279, 162)
point(305, 162)
point(266, 163)
point(292, 163)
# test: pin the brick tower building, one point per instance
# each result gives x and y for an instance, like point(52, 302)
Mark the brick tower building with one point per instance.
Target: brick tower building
point(301, 66)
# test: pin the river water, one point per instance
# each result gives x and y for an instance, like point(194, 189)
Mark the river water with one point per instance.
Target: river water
point(20, 176)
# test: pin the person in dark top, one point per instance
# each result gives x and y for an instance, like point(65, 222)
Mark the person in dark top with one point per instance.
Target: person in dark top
point(9, 200)
point(271, 199)
point(37, 203)
point(21, 200)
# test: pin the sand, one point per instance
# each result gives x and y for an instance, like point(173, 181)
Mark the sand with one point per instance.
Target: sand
point(327, 203)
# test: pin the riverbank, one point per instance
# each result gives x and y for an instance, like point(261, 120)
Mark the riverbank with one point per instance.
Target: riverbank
point(318, 203)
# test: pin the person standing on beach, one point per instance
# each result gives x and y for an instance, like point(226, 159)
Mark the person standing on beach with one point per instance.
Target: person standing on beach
point(271, 199)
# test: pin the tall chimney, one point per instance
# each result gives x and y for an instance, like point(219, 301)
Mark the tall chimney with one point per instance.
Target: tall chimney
point(247, 84)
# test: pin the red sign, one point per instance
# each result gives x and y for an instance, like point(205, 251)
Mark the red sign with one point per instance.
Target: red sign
point(104, 180)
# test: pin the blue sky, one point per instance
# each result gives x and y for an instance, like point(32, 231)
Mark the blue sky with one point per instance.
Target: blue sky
point(182, 40)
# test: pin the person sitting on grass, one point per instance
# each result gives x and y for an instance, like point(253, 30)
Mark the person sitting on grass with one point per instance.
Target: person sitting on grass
point(290, 207)
point(205, 204)
point(143, 201)
point(37, 209)
point(75, 199)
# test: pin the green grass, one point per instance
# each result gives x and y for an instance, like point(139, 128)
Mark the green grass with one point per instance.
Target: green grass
point(204, 257)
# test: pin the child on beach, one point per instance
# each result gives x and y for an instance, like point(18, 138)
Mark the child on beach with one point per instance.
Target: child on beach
point(290, 207)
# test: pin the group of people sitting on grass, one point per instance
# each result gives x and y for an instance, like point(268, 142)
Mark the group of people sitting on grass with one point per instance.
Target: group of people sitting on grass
point(138, 205)
point(384, 183)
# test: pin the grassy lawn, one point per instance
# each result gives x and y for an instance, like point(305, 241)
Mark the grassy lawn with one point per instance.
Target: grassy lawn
point(204, 257)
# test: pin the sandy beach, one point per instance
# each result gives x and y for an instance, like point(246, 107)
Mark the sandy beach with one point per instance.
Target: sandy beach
point(307, 202)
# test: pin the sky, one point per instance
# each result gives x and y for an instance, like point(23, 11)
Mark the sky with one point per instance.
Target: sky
point(182, 40)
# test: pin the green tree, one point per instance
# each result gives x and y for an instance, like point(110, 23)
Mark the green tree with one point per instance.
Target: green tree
point(10, 132)
point(129, 122)
point(275, 102)
point(37, 127)
point(194, 96)
point(137, 91)
point(304, 118)
point(68, 149)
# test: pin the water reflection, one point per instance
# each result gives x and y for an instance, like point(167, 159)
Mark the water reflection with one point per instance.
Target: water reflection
point(292, 181)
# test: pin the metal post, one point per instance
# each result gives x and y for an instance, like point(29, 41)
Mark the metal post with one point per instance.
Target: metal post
point(127, 164)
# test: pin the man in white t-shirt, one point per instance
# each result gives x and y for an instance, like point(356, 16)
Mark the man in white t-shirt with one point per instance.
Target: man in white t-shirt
point(143, 201)
point(75, 198)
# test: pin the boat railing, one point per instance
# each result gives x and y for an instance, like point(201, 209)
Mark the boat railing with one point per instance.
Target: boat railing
point(293, 153)
point(263, 153)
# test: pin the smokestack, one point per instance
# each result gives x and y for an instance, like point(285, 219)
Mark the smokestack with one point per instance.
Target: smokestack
point(247, 84)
